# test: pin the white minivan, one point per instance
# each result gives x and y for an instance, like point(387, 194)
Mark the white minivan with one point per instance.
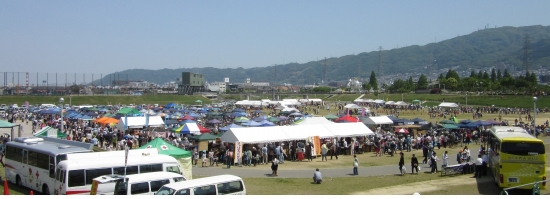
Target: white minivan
point(145, 183)
point(214, 185)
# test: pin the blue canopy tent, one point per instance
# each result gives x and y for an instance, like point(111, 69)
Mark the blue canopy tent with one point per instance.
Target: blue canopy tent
point(251, 123)
point(238, 110)
point(226, 128)
point(170, 105)
point(418, 121)
point(187, 121)
point(392, 118)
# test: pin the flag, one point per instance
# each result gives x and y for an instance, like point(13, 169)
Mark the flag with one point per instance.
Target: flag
point(348, 111)
point(363, 112)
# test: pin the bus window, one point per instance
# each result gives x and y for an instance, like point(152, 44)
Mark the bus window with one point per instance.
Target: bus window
point(76, 178)
point(43, 161)
point(129, 170)
point(174, 169)
point(156, 185)
point(138, 188)
point(32, 158)
point(150, 168)
point(24, 156)
point(182, 192)
point(51, 161)
point(179, 179)
point(206, 190)
point(522, 148)
point(94, 173)
point(121, 187)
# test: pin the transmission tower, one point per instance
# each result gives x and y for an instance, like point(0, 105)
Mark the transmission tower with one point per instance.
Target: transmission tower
point(527, 53)
point(380, 63)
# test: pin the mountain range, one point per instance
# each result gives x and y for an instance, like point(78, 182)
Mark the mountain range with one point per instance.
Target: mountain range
point(481, 48)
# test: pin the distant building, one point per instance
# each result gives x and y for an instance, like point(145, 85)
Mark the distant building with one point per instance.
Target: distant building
point(219, 87)
point(191, 83)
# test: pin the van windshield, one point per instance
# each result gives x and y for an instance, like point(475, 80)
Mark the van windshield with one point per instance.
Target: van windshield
point(121, 187)
point(174, 169)
point(165, 191)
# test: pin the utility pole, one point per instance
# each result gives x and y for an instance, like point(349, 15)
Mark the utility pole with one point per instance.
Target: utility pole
point(325, 73)
point(380, 64)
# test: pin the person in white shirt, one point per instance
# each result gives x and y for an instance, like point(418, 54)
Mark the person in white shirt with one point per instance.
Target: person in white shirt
point(445, 159)
point(479, 163)
point(467, 151)
point(485, 160)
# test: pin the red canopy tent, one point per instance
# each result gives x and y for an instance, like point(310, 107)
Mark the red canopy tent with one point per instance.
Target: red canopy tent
point(203, 130)
point(347, 118)
point(187, 117)
point(402, 131)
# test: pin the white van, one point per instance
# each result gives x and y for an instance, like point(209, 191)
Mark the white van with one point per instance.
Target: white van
point(215, 185)
point(142, 184)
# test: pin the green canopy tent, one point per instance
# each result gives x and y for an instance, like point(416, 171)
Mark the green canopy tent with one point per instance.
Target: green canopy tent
point(50, 132)
point(203, 137)
point(165, 148)
point(7, 125)
point(331, 117)
point(416, 101)
point(450, 126)
point(128, 111)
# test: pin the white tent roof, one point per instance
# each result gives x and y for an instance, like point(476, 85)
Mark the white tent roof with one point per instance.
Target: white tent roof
point(377, 120)
point(294, 132)
point(290, 109)
point(349, 129)
point(352, 106)
point(314, 120)
point(400, 103)
point(390, 103)
point(139, 122)
point(378, 101)
point(255, 135)
point(251, 103)
point(448, 104)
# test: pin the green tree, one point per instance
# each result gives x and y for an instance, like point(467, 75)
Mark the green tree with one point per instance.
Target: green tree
point(422, 82)
point(493, 75)
point(366, 87)
point(410, 84)
point(441, 77)
point(506, 74)
point(321, 89)
point(473, 74)
point(480, 74)
point(451, 83)
point(372, 81)
point(499, 75)
point(453, 74)
point(486, 76)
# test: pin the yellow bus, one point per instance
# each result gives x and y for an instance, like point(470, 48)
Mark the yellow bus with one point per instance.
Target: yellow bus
point(516, 157)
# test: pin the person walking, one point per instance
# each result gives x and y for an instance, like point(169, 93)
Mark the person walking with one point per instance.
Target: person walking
point(355, 165)
point(324, 151)
point(334, 149)
point(274, 166)
point(414, 164)
point(264, 154)
point(479, 164)
point(485, 160)
point(445, 160)
point(433, 161)
point(317, 177)
point(401, 163)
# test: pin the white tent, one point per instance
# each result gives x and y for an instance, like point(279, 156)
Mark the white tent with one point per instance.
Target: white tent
point(350, 106)
point(302, 132)
point(377, 120)
point(390, 103)
point(290, 109)
point(314, 120)
point(378, 101)
point(255, 135)
point(400, 103)
point(349, 129)
point(361, 100)
point(139, 122)
point(448, 105)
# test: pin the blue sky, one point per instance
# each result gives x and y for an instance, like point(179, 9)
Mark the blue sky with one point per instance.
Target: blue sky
point(109, 36)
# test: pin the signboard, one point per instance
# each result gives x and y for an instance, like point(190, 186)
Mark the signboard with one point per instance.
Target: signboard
point(226, 80)
point(238, 152)
point(316, 141)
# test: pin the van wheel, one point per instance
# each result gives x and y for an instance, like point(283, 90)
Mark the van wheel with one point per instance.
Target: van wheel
point(18, 181)
point(45, 190)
